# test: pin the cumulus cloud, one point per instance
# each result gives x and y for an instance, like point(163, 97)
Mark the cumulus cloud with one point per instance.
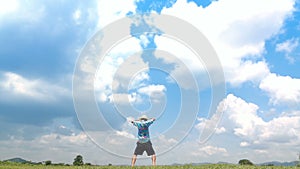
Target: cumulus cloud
point(209, 123)
point(288, 47)
point(30, 104)
point(55, 147)
point(76, 16)
point(79, 139)
point(179, 51)
point(248, 71)
point(241, 119)
point(139, 80)
point(127, 71)
point(234, 33)
point(28, 12)
point(64, 130)
point(220, 130)
point(7, 7)
point(244, 115)
point(244, 144)
point(281, 89)
point(153, 90)
point(210, 150)
point(123, 98)
point(123, 77)
point(117, 69)
point(17, 87)
point(242, 122)
point(281, 130)
point(110, 11)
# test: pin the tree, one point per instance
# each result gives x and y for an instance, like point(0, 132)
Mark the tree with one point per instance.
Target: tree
point(245, 162)
point(78, 160)
point(48, 162)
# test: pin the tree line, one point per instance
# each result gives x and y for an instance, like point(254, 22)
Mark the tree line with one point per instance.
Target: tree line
point(78, 161)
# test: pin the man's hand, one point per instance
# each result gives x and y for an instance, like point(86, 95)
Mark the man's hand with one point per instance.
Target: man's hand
point(153, 119)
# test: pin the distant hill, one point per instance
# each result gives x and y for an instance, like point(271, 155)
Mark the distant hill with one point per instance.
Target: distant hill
point(222, 162)
point(18, 160)
point(203, 163)
point(277, 163)
point(274, 163)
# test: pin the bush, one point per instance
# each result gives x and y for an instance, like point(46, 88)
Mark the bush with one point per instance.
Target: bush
point(245, 162)
point(48, 162)
point(87, 164)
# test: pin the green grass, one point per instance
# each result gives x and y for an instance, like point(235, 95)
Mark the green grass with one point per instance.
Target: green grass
point(211, 166)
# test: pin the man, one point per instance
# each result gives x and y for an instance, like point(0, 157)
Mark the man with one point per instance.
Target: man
point(143, 143)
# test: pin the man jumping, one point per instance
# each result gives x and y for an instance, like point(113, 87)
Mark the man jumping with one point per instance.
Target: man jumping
point(143, 143)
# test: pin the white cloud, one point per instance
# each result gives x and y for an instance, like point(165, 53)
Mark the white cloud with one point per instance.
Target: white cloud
point(241, 119)
point(118, 63)
point(79, 139)
point(15, 10)
point(122, 69)
point(209, 150)
point(77, 16)
point(125, 134)
point(110, 11)
point(244, 144)
point(244, 115)
point(163, 143)
point(220, 130)
point(156, 92)
point(179, 51)
point(152, 90)
point(209, 123)
point(64, 130)
point(139, 80)
point(7, 7)
point(186, 65)
point(248, 71)
point(17, 87)
point(281, 130)
point(281, 89)
point(234, 32)
point(144, 40)
point(288, 47)
point(123, 98)
point(57, 148)
point(247, 129)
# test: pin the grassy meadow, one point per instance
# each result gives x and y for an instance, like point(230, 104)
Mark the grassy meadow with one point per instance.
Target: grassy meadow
point(210, 166)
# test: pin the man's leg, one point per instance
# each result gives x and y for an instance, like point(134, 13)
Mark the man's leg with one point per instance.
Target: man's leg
point(153, 160)
point(133, 160)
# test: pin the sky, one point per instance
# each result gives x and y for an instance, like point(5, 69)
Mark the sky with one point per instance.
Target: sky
point(221, 78)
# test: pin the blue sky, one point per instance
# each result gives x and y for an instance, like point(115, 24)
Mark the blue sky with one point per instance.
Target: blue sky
point(42, 42)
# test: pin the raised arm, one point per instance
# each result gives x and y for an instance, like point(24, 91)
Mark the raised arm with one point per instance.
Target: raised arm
point(134, 122)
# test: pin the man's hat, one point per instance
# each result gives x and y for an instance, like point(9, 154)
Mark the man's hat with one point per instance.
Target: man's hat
point(143, 117)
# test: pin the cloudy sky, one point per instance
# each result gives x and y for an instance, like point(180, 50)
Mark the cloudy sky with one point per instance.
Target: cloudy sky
point(221, 78)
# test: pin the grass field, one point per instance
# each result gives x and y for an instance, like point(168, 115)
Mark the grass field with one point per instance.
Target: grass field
point(210, 166)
